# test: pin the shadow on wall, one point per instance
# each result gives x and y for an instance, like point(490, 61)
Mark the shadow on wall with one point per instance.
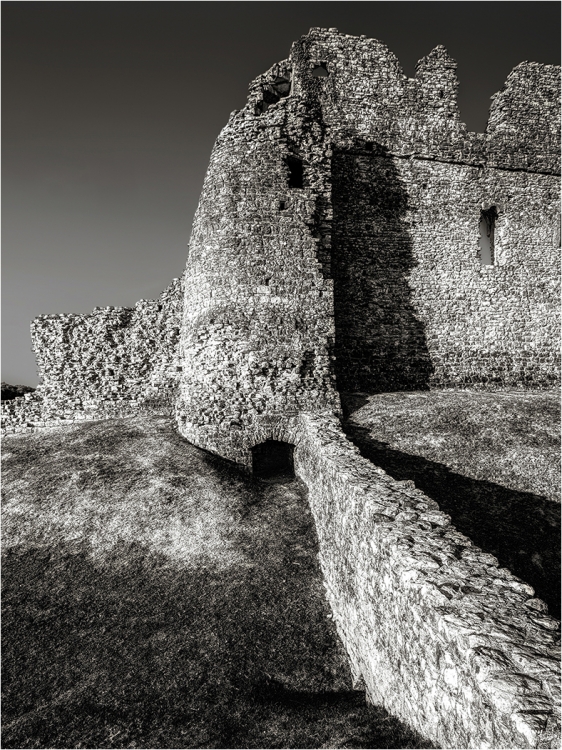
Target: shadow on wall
point(380, 342)
point(521, 529)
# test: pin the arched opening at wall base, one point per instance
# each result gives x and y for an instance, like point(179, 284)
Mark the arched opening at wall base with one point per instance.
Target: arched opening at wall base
point(272, 460)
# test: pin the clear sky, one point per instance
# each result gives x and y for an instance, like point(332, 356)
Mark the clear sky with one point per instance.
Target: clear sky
point(110, 111)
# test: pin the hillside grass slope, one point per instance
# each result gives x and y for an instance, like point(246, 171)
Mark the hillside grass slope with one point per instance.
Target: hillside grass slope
point(155, 597)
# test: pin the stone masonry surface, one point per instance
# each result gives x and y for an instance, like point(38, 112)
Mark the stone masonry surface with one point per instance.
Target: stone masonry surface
point(116, 361)
point(444, 638)
point(340, 217)
point(338, 245)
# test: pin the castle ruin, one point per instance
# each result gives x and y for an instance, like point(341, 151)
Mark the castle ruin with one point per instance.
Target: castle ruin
point(352, 235)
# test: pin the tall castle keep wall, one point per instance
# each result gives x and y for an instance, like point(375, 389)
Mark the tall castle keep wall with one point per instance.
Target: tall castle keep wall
point(341, 216)
point(336, 247)
point(413, 305)
point(258, 325)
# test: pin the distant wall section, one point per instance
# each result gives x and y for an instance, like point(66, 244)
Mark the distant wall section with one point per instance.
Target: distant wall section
point(112, 362)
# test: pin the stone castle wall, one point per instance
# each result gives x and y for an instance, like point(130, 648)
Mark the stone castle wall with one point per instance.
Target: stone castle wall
point(336, 247)
point(414, 307)
point(112, 362)
point(387, 215)
point(258, 328)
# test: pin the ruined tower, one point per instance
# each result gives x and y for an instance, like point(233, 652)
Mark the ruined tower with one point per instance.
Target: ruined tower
point(352, 235)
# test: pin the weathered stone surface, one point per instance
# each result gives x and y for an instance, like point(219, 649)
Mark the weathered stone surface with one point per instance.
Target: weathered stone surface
point(113, 362)
point(337, 244)
point(465, 669)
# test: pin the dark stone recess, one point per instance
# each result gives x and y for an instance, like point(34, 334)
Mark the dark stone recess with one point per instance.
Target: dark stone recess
point(14, 391)
point(273, 460)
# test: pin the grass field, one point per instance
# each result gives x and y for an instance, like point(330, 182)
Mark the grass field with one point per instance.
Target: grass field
point(490, 459)
point(155, 598)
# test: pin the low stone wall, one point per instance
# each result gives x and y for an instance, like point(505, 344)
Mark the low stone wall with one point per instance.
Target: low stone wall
point(113, 362)
point(455, 646)
point(21, 416)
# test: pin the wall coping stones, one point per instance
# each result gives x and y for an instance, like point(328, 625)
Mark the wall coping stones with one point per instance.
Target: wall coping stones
point(488, 662)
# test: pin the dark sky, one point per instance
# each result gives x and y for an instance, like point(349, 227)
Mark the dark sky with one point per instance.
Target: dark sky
point(110, 111)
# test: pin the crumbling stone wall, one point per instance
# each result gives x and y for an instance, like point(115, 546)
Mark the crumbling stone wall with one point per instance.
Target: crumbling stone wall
point(340, 216)
point(112, 362)
point(258, 330)
point(387, 215)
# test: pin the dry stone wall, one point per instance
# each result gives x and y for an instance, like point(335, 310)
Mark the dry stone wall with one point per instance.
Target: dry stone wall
point(439, 634)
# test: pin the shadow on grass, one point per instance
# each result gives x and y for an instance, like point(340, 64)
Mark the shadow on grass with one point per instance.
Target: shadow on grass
point(135, 652)
point(521, 529)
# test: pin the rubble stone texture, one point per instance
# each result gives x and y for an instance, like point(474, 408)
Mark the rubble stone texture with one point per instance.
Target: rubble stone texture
point(353, 235)
point(340, 216)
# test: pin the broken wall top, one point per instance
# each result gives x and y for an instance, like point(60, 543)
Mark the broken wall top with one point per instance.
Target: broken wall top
point(365, 96)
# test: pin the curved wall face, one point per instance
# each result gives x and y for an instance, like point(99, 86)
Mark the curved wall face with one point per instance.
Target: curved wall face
point(258, 329)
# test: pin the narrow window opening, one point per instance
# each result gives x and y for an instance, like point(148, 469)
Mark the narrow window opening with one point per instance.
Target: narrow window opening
point(368, 147)
point(295, 172)
point(320, 70)
point(486, 243)
point(282, 205)
point(273, 460)
point(282, 86)
point(306, 369)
